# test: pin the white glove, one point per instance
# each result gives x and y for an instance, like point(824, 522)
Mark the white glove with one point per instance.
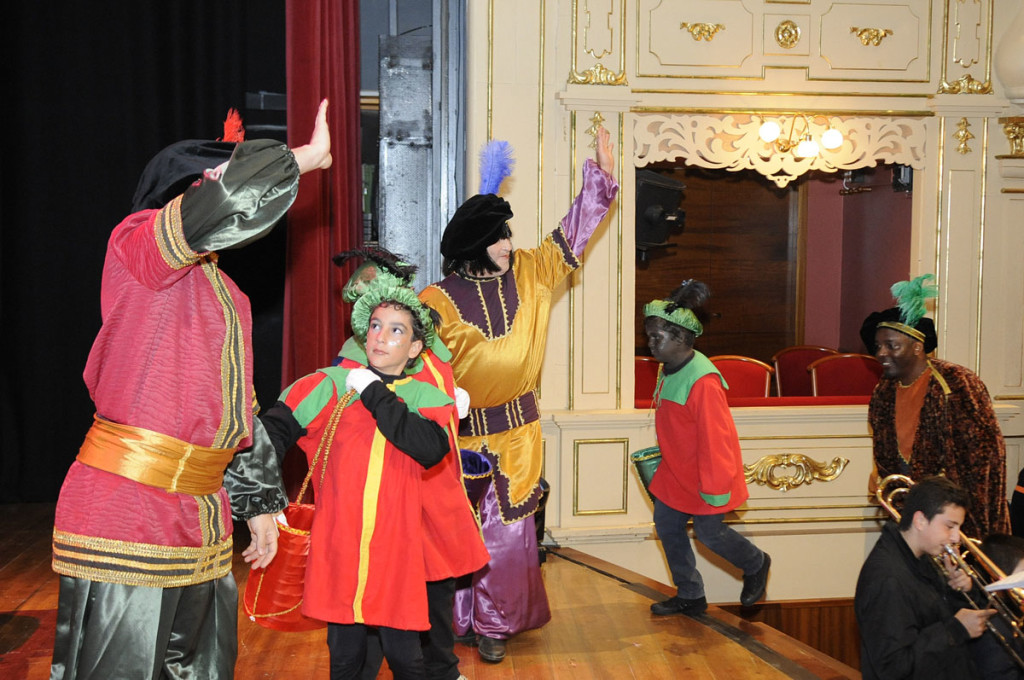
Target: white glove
point(359, 378)
point(461, 402)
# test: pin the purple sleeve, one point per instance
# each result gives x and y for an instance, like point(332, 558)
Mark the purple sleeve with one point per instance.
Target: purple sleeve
point(589, 207)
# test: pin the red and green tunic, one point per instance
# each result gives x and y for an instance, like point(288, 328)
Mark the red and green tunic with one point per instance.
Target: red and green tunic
point(453, 545)
point(700, 449)
point(366, 557)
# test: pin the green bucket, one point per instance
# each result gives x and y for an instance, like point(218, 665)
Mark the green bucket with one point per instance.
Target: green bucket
point(646, 462)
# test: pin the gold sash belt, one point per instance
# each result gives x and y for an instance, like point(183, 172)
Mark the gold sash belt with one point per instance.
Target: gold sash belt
point(154, 459)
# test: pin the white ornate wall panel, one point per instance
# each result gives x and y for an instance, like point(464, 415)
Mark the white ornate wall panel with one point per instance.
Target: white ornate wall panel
point(597, 43)
point(874, 42)
point(716, 38)
point(967, 47)
point(1002, 367)
point(957, 312)
point(744, 40)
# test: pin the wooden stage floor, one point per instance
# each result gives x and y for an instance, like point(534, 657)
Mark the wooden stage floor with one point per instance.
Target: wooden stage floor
point(601, 627)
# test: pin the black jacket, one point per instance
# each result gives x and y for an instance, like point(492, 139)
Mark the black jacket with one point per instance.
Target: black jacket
point(905, 611)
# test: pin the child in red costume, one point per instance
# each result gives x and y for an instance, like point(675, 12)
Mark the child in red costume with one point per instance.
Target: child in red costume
point(701, 472)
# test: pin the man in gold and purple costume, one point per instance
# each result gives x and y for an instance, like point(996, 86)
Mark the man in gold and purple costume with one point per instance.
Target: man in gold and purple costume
point(142, 533)
point(495, 306)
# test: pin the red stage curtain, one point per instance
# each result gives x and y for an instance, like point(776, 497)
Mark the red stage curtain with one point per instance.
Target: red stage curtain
point(322, 62)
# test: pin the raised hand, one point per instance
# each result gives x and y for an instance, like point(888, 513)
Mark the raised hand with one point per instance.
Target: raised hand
point(317, 154)
point(604, 158)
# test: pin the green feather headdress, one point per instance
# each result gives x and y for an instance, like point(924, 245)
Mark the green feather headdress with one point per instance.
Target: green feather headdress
point(911, 298)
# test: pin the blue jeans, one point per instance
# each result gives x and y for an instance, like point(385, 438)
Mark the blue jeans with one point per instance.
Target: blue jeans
point(712, 532)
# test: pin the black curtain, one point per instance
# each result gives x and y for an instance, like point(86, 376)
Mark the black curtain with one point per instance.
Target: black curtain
point(91, 92)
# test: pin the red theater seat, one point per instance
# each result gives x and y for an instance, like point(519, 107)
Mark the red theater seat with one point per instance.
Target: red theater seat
point(791, 376)
point(746, 377)
point(845, 374)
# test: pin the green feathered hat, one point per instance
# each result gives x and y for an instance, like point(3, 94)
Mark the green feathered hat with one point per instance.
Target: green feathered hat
point(911, 297)
point(908, 316)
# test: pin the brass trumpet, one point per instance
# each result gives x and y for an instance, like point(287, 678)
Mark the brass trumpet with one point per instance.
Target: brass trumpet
point(1008, 604)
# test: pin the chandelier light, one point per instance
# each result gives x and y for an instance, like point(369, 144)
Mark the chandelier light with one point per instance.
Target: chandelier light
point(800, 141)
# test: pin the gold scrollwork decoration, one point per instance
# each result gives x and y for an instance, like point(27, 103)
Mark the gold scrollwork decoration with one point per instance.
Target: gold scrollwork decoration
point(871, 36)
point(769, 471)
point(787, 34)
point(595, 124)
point(598, 74)
point(963, 135)
point(966, 84)
point(1013, 128)
point(701, 31)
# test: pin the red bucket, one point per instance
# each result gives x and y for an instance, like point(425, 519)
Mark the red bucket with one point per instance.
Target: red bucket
point(273, 596)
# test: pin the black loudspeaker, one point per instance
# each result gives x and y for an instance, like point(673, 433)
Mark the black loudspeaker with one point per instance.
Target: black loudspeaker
point(902, 178)
point(657, 210)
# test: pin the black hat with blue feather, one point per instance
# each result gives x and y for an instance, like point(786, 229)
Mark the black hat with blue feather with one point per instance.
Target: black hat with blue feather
point(483, 219)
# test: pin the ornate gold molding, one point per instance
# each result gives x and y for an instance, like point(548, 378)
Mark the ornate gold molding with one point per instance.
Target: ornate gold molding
point(871, 36)
point(595, 123)
point(966, 84)
point(598, 74)
point(1013, 128)
point(769, 471)
point(787, 34)
point(962, 136)
point(598, 41)
point(700, 31)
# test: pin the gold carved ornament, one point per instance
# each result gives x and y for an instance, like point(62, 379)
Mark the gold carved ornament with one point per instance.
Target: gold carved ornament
point(1013, 128)
point(787, 471)
point(966, 84)
point(595, 124)
point(787, 34)
point(871, 36)
point(963, 135)
point(701, 31)
point(598, 74)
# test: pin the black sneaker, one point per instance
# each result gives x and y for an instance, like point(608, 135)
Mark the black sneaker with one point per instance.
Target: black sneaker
point(754, 584)
point(679, 605)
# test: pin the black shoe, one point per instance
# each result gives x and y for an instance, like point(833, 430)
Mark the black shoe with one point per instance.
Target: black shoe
point(754, 584)
point(679, 605)
point(469, 639)
point(492, 650)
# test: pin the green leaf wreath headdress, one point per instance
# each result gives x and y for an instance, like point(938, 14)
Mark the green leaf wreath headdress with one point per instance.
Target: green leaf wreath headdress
point(383, 277)
point(680, 305)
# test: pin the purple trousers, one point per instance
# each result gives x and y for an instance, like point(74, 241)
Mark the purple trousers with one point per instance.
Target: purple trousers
point(507, 596)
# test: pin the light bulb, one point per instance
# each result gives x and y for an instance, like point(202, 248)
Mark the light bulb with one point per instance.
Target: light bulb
point(769, 131)
point(832, 139)
point(807, 148)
